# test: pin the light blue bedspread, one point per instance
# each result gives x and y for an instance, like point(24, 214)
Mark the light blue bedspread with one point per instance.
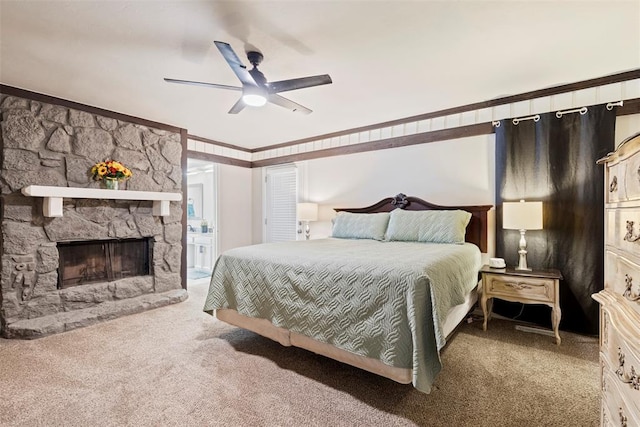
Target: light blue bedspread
point(384, 300)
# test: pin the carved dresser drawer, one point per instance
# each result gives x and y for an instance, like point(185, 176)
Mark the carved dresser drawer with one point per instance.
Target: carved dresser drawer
point(615, 184)
point(623, 231)
point(631, 167)
point(625, 282)
point(620, 354)
point(617, 410)
point(620, 298)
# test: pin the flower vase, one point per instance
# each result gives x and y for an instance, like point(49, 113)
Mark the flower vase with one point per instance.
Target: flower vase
point(111, 183)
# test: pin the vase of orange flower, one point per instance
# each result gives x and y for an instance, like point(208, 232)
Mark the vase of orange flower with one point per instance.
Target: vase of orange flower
point(111, 183)
point(111, 173)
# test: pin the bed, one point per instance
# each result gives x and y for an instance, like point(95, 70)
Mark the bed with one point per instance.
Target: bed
point(382, 294)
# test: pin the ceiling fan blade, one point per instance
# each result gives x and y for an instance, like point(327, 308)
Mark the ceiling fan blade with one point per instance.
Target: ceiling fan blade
point(214, 85)
point(285, 85)
point(288, 104)
point(237, 107)
point(232, 59)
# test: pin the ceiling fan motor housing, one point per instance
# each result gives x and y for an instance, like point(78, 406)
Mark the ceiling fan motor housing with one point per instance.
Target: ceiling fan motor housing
point(255, 58)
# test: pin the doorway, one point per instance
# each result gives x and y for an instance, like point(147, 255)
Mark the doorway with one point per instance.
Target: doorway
point(202, 214)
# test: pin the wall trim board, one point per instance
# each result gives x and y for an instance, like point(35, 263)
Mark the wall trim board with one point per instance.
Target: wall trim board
point(183, 255)
point(383, 144)
point(631, 106)
point(218, 143)
point(35, 96)
point(526, 96)
point(218, 159)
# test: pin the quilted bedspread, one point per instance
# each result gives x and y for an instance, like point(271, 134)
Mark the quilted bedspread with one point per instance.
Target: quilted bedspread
point(384, 300)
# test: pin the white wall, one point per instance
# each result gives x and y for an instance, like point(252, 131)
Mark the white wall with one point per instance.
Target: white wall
point(626, 126)
point(453, 172)
point(234, 207)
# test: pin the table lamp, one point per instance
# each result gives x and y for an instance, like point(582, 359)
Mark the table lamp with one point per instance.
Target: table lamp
point(522, 216)
point(307, 212)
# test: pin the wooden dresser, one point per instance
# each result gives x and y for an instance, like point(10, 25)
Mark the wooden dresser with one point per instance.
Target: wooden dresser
point(620, 299)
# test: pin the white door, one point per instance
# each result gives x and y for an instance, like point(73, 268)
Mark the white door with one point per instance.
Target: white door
point(280, 197)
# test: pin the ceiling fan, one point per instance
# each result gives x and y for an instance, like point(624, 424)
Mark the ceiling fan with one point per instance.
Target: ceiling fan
point(256, 91)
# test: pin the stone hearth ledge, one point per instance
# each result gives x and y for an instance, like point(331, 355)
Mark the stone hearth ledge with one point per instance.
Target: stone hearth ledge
point(66, 321)
point(53, 196)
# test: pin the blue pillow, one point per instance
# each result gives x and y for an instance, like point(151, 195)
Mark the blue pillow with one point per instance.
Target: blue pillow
point(347, 225)
point(445, 226)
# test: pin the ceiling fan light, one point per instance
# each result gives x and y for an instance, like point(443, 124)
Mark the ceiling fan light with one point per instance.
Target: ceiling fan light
point(254, 100)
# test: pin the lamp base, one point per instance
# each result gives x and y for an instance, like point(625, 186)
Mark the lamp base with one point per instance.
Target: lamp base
point(522, 261)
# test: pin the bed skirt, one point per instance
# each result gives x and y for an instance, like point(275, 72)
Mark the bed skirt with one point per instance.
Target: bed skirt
point(288, 338)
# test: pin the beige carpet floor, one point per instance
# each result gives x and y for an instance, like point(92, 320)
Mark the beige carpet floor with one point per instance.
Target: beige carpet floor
point(176, 366)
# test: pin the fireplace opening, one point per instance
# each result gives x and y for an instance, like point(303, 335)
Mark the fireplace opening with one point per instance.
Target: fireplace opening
point(103, 261)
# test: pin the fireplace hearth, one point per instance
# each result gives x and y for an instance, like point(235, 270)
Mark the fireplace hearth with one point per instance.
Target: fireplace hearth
point(103, 261)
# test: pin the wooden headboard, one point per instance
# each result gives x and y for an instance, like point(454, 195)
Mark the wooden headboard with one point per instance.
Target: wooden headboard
point(476, 230)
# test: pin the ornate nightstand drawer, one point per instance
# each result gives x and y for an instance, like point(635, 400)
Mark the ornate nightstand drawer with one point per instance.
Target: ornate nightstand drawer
point(514, 287)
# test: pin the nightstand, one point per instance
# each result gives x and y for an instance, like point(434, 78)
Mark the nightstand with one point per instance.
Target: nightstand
point(528, 287)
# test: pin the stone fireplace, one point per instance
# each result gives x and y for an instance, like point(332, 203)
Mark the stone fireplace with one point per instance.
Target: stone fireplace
point(103, 258)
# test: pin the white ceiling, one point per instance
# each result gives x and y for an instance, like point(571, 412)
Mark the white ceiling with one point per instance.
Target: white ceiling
point(388, 59)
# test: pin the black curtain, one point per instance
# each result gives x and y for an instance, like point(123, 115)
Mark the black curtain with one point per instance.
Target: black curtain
point(554, 160)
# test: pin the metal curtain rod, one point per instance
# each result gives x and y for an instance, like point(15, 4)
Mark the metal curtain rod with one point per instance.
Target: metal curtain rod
point(535, 118)
point(559, 114)
point(582, 111)
point(610, 105)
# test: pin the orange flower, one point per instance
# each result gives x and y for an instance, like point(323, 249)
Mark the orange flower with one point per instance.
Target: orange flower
point(110, 169)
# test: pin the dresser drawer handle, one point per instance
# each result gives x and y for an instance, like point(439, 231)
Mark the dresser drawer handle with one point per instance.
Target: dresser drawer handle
point(614, 184)
point(623, 418)
point(628, 292)
point(632, 378)
point(630, 237)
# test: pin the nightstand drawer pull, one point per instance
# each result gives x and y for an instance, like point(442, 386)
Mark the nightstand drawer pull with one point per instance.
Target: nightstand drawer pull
point(628, 292)
point(614, 184)
point(518, 286)
point(632, 379)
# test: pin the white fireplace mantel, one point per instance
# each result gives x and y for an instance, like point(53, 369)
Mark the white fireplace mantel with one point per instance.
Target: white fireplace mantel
point(53, 196)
